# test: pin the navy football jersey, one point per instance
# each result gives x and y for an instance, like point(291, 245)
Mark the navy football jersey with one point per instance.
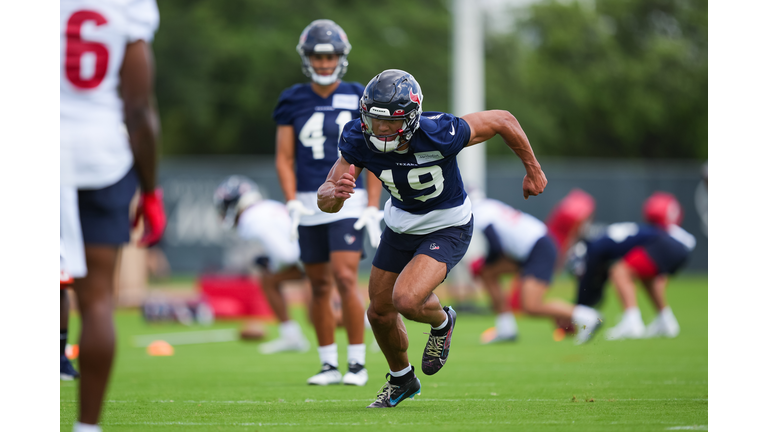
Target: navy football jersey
point(422, 181)
point(317, 123)
point(668, 250)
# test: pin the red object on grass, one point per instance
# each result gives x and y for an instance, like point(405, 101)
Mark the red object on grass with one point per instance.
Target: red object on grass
point(234, 296)
point(513, 300)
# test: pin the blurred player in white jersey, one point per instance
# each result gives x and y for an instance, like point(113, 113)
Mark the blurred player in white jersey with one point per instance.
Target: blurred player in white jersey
point(519, 243)
point(106, 85)
point(240, 204)
point(309, 120)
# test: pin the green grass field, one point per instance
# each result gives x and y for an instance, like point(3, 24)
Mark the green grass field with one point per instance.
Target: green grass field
point(535, 384)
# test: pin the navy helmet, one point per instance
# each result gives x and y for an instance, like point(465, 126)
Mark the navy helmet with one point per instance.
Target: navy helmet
point(234, 195)
point(323, 36)
point(391, 95)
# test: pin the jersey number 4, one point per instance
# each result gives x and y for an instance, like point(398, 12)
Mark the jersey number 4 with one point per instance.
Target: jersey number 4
point(93, 55)
point(312, 136)
point(414, 181)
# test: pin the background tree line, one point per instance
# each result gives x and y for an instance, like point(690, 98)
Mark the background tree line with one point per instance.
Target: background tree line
point(601, 78)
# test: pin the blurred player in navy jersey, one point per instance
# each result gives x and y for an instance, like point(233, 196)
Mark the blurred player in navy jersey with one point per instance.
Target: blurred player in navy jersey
point(241, 206)
point(627, 252)
point(109, 134)
point(309, 121)
point(428, 215)
point(519, 243)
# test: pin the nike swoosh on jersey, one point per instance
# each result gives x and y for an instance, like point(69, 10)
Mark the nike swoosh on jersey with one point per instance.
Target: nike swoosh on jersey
point(453, 131)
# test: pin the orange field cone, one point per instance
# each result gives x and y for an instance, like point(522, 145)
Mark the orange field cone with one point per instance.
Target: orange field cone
point(160, 348)
point(488, 335)
point(72, 351)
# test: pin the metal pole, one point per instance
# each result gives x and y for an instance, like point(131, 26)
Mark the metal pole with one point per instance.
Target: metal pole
point(469, 82)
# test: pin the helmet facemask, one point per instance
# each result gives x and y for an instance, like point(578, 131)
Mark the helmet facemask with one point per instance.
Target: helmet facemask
point(306, 67)
point(393, 95)
point(390, 142)
point(323, 37)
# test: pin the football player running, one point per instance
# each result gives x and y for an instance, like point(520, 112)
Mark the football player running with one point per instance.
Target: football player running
point(309, 120)
point(428, 215)
point(106, 89)
point(519, 243)
point(240, 205)
point(645, 252)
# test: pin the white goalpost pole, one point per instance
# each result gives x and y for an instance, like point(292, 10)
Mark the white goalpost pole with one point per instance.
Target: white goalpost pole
point(468, 82)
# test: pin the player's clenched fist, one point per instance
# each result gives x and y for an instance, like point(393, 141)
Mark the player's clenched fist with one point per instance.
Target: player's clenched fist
point(534, 182)
point(345, 185)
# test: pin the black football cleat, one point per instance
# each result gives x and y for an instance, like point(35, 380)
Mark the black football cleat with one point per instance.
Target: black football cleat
point(68, 372)
point(438, 346)
point(390, 395)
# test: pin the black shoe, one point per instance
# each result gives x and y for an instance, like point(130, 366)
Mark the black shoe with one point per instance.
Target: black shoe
point(438, 346)
point(390, 395)
point(68, 372)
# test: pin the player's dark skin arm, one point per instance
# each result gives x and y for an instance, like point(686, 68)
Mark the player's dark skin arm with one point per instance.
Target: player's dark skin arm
point(285, 160)
point(141, 119)
point(338, 187)
point(486, 124)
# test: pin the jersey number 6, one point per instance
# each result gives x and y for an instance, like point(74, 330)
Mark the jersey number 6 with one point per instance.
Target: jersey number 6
point(79, 50)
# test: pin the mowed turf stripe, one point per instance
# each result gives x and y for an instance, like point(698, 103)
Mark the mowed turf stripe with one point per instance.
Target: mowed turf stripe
point(415, 399)
point(373, 423)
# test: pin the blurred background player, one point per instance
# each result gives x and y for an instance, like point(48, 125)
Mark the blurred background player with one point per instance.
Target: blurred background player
point(428, 216)
point(309, 121)
point(240, 205)
point(105, 46)
point(567, 222)
point(519, 243)
point(645, 252)
point(67, 370)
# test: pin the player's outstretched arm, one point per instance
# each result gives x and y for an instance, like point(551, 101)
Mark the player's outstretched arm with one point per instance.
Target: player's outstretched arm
point(338, 187)
point(486, 124)
point(143, 125)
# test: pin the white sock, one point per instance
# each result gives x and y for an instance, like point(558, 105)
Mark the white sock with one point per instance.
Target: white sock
point(329, 354)
point(506, 324)
point(583, 315)
point(84, 427)
point(401, 372)
point(667, 315)
point(632, 315)
point(289, 330)
point(441, 326)
point(356, 354)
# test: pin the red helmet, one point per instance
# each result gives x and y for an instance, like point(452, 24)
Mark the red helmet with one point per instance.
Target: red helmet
point(662, 209)
point(569, 214)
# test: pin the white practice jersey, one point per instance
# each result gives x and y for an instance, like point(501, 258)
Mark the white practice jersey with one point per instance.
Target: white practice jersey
point(268, 223)
point(518, 231)
point(95, 152)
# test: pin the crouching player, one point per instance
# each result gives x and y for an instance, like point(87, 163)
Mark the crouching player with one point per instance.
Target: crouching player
point(519, 243)
point(646, 252)
point(241, 205)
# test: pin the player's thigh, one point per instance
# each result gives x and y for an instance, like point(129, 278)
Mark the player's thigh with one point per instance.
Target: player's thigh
point(320, 277)
point(105, 212)
point(380, 289)
point(417, 281)
point(541, 261)
point(313, 244)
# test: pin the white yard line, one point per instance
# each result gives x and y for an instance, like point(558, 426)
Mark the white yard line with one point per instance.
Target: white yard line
point(416, 399)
